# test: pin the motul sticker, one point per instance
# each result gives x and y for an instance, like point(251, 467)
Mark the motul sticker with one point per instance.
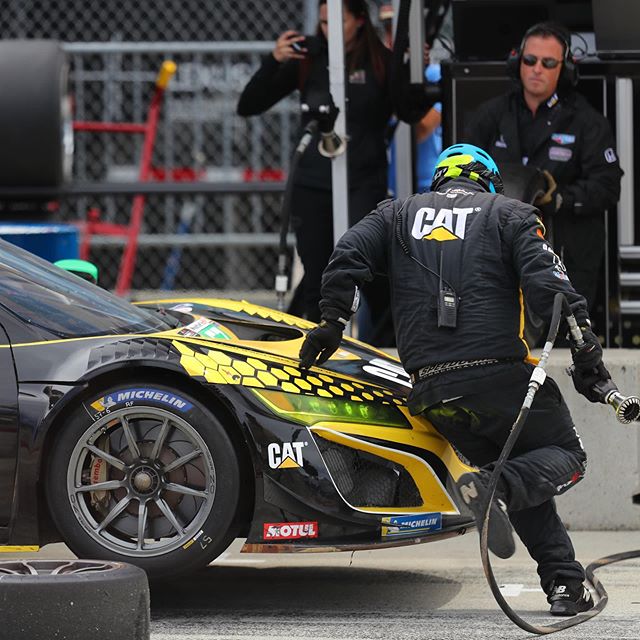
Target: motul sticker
point(290, 530)
point(286, 455)
point(129, 397)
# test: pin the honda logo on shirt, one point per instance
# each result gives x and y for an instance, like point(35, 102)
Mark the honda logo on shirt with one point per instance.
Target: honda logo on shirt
point(446, 224)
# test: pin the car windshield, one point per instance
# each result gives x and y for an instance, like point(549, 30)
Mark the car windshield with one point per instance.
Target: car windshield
point(58, 302)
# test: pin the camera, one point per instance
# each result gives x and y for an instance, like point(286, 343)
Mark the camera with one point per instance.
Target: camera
point(300, 46)
point(309, 46)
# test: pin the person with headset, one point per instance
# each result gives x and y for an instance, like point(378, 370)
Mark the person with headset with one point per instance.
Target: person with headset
point(458, 259)
point(545, 123)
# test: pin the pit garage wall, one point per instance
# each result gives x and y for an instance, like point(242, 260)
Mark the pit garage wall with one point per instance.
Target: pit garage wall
point(603, 499)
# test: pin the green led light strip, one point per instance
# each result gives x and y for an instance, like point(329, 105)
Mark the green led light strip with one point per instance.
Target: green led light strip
point(309, 410)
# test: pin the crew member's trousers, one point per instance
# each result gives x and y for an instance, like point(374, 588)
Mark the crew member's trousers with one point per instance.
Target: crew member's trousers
point(312, 221)
point(547, 459)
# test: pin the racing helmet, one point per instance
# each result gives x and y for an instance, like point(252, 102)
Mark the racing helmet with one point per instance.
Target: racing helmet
point(467, 161)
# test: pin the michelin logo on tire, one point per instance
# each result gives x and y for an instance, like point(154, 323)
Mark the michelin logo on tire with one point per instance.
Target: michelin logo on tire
point(130, 397)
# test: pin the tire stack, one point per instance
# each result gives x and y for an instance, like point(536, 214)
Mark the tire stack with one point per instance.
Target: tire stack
point(35, 116)
point(73, 600)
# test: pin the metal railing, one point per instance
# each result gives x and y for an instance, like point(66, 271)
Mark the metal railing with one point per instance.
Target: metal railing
point(212, 159)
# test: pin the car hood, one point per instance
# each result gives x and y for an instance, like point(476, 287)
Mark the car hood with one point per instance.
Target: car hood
point(219, 322)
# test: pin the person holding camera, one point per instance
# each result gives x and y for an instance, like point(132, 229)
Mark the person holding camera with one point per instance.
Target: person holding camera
point(545, 123)
point(301, 63)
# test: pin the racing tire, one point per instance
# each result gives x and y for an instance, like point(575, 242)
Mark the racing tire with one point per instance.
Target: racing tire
point(73, 599)
point(35, 115)
point(146, 475)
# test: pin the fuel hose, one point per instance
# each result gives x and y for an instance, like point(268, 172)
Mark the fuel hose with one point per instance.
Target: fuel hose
point(560, 307)
point(282, 278)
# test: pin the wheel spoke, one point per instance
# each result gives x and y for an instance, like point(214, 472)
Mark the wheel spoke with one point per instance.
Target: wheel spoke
point(164, 430)
point(108, 485)
point(179, 488)
point(131, 441)
point(169, 515)
point(114, 513)
point(112, 460)
point(182, 460)
point(142, 523)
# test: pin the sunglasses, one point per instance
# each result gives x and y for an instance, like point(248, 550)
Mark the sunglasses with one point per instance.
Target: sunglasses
point(548, 63)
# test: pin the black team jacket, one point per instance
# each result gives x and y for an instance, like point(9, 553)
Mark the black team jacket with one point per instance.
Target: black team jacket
point(369, 108)
point(567, 137)
point(488, 248)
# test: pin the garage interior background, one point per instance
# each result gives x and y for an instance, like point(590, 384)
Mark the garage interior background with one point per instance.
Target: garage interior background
point(116, 47)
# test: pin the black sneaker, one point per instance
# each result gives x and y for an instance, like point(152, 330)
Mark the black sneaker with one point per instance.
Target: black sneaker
point(569, 598)
point(472, 490)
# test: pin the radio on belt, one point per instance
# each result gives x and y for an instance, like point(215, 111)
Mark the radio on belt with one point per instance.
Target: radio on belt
point(447, 308)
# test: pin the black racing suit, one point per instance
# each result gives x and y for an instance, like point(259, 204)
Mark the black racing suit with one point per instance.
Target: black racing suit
point(471, 380)
point(572, 141)
point(369, 108)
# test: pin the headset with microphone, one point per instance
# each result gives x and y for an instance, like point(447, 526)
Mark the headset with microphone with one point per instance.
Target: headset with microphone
point(569, 72)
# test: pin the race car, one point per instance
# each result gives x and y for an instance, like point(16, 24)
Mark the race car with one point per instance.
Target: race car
point(157, 433)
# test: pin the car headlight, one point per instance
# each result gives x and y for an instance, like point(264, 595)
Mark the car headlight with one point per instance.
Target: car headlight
point(309, 410)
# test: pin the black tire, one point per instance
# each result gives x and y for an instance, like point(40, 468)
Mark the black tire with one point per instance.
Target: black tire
point(35, 117)
point(178, 483)
point(73, 599)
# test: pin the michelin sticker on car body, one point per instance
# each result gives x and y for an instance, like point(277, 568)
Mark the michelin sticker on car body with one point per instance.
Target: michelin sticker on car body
point(131, 397)
point(394, 526)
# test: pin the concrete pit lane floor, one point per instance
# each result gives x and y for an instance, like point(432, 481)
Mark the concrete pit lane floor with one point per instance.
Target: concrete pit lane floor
point(433, 591)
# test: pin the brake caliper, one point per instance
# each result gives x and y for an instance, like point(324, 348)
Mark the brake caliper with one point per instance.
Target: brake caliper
point(98, 473)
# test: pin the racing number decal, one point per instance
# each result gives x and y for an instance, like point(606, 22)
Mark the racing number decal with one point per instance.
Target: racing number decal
point(388, 371)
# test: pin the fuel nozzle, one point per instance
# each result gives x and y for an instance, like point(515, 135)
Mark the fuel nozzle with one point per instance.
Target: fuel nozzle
point(604, 390)
point(627, 408)
point(326, 112)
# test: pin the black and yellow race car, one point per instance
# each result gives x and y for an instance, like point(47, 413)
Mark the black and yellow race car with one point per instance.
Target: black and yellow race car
point(157, 433)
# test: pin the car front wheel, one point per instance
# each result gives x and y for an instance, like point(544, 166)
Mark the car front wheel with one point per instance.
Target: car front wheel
point(145, 475)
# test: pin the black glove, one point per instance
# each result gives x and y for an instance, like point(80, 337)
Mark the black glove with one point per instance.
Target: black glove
point(551, 188)
point(589, 356)
point(321, 343)
point(551, 200)
point(593, 384)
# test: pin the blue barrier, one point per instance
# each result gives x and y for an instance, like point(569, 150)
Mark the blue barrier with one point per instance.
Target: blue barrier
point(49, 241)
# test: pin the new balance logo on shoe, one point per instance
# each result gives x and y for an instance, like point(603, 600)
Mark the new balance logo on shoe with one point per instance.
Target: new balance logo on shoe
point(570, 599)
point(472, 490)
point(468, 492)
